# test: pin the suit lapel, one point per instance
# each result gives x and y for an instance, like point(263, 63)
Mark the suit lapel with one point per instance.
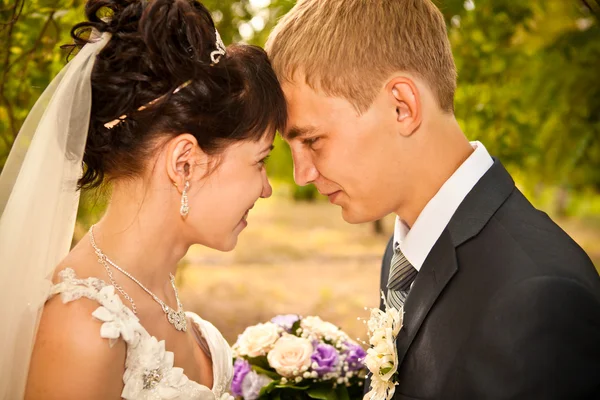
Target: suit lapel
point(439, 267)
point(481, 204)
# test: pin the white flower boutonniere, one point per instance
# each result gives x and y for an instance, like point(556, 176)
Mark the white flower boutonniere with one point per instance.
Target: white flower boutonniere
point(382, 357)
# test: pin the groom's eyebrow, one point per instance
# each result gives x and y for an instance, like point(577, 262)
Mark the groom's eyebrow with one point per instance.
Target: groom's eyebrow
point(298, 131)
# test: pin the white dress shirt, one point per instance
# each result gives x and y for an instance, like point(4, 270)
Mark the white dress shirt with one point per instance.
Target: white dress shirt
point(417, 242)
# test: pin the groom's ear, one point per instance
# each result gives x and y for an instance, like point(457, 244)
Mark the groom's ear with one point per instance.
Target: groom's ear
point(407, 103)
point(184, 159)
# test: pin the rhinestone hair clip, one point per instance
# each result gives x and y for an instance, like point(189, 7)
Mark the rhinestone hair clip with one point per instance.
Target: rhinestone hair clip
point(215, 57)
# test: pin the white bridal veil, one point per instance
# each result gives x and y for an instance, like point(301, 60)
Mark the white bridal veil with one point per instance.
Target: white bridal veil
point(38, 207)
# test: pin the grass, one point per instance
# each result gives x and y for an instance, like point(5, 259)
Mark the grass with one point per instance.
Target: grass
point(302, 258)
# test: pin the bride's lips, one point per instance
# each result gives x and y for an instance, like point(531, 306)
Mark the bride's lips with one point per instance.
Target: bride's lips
point(244, 221)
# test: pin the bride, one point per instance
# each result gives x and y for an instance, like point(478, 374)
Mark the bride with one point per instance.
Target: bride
point(180, 127)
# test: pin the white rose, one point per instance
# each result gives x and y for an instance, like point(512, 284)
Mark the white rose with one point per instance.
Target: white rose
point(382, 358)
point(390, 319)
point(383, 354)
point(397, 318)
point(257, 340)
point(321, 329)
point(291, 356)
point(380, 390)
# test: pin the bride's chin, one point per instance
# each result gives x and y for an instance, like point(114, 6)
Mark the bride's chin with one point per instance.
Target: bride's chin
point(229, 247)
point(225, 245)
point(231, 242)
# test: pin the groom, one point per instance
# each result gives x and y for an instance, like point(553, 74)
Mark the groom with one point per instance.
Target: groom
point(499, 302)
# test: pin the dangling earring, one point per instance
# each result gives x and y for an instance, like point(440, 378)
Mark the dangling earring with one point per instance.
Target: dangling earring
point(185, 206)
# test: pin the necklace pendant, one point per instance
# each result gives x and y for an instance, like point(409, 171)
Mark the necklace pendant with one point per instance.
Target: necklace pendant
point(177, 319)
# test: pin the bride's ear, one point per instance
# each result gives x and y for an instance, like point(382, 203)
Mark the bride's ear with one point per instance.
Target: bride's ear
point(185, 160)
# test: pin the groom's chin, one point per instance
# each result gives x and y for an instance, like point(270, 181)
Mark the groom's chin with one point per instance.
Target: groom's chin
point(360, 213)
point(355, 217)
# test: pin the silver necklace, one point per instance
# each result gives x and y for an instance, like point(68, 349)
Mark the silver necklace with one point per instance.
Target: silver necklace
point(175, 318)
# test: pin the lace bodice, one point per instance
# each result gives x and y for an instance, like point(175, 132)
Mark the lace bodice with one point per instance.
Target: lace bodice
point(149, 371)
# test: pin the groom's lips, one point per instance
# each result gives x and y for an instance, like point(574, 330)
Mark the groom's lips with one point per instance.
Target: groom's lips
point(333, 195)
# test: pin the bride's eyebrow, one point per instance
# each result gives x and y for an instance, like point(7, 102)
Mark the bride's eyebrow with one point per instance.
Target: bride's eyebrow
point(267, 149)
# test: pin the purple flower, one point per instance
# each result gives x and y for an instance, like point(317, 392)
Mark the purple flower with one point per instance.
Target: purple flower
point(241, 368)
point(253, 384)
point(325, 359)
point(285, 321)
point(355, 356)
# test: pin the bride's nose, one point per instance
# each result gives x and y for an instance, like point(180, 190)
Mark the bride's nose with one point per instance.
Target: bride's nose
point(267, 190)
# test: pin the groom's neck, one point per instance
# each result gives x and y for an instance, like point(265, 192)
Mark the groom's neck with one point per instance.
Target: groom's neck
point(441, 149)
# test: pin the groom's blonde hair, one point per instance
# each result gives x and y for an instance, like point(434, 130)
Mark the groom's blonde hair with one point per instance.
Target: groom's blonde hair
point(347, 48)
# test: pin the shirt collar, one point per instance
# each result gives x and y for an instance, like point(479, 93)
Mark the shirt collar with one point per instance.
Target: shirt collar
point(417, 242)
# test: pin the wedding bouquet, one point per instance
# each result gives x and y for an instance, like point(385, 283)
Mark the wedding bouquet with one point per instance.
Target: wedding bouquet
point(292, 357)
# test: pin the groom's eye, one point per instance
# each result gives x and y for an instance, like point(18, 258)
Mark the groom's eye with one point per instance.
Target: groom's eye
point(310, 141)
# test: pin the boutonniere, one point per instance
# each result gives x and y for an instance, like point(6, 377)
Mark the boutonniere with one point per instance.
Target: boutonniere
point(382, 356)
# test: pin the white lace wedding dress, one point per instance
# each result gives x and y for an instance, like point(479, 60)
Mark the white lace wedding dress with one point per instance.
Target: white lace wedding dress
point(149, 371)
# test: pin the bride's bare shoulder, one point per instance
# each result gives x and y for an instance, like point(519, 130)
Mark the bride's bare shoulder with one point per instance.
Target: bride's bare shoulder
point(70, 360)
point(83, 261)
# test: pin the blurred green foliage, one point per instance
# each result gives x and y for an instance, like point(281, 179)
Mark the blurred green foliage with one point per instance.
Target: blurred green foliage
point(528, 78)
point(529, 86)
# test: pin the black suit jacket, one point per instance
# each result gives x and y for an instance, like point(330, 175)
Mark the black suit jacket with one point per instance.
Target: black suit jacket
point(506, 306)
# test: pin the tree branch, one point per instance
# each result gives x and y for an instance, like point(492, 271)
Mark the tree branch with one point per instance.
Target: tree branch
point(11, 118)
point(593, 7)
point(15, 16)
point(37, 41)
point(11, 25)
point(31, 51)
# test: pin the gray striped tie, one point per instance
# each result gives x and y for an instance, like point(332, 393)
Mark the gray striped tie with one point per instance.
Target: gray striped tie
point(402, 275)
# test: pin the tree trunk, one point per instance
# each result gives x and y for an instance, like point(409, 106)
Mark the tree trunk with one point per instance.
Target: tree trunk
point(378, 227)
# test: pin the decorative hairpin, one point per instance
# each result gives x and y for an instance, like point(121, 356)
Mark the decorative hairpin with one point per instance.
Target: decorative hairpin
point(115, 122)
point(215, 57)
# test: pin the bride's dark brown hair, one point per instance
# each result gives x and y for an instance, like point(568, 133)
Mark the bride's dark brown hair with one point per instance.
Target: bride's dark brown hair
point(156, 46)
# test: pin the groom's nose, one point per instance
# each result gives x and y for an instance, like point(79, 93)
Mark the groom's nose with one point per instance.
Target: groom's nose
point(305, 171)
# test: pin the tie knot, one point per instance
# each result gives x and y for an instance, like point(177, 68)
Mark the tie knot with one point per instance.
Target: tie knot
point(397, 249)
point(402, 273)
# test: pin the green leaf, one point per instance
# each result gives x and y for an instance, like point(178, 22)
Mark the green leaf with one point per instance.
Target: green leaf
point(292, 387)
point(322, 392)
point(268, 389)
point(259, 361)
point(295, 327)
point(272, 392)
point(262, 371)
point(342, 392)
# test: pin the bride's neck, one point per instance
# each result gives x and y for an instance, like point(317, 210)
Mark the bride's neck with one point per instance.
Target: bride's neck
point(138, 234)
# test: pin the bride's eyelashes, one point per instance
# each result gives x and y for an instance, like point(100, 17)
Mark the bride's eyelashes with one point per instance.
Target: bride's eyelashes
point(263, 162)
